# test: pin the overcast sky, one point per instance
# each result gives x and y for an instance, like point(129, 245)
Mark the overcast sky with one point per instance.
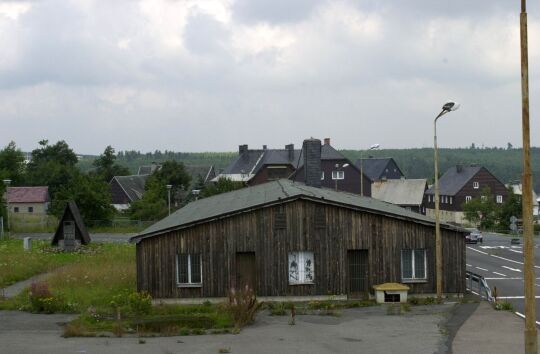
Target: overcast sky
point(210, 75)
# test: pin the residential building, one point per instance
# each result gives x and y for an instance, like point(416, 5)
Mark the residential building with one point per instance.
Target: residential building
point(256, 166)
point(30, 200)
point(518, 190)
point(459, 185)
point(126, 189)
point(407, 193)
point(286, 238)
point(378, 169)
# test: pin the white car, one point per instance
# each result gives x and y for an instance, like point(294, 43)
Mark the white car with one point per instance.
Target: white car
point(474, 236)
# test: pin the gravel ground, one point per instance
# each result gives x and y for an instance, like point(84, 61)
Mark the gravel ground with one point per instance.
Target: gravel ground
point(363, 330)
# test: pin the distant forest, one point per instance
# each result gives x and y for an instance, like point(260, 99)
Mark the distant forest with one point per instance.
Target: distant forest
point(415, 163)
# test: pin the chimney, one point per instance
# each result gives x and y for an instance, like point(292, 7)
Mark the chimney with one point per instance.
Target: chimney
point(312, 162)
point(459, 168)
point(290, 151)
point(242, 149)
point(326, 141)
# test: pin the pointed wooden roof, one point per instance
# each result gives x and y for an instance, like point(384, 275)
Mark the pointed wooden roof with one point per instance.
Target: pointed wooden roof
point(71, 208)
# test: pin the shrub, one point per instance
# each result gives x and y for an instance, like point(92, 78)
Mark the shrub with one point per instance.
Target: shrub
point(42, 300)
point(278, 309)
point(503, 306)
point(140, 303)
point(243, 306)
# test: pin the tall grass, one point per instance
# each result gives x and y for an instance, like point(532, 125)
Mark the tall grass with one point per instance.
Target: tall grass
point(95, 279)
point(16, 264)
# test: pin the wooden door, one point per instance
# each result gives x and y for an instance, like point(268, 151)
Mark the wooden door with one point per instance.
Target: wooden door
point(358, 273)
point(246, 270)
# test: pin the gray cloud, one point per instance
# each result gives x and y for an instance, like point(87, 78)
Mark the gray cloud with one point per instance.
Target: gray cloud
point(181, 76)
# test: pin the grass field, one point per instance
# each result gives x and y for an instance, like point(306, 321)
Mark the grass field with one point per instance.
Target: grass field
point(16, 264)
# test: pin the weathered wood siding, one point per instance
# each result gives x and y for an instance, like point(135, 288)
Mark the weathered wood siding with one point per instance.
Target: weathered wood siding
point(346, 229)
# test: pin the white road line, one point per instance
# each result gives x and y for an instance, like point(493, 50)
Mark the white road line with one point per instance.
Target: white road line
point(501, 274)
point(515, 251)
point(484, 269)
point(512, 269)
point(473, 249)
point(514, 297)
point(468, 265)
point(509, 278)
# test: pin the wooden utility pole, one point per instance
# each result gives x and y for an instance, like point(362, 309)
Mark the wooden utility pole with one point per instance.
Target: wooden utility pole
point(527, 204)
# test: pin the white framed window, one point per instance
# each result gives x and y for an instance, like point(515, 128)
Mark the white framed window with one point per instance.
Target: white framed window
point(428, 198)
point(301, 267)
point(338, 174)
point(413, 265)
point(468, 199)
point(483, 198)
point(188, 269)
point(476, 185)
point(499, 199)
point(322, 175)
point(451, 200)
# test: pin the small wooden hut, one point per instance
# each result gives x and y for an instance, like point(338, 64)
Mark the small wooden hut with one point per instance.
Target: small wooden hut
point(71, 232)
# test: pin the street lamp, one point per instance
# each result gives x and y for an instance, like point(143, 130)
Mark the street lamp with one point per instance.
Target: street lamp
point(447, 107)
point(338, 167)
point(7, 183)
point(372, 147)
point(169, 187)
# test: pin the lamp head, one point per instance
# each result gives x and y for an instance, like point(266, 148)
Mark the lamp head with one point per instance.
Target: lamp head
point(374, 146)
point(346, 165)
point(450, 106)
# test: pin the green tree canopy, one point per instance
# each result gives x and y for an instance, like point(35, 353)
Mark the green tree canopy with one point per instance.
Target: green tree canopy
point(91, 194)
point(482, 210)
point(222, 185)
point(12, 164)
point(106, 166)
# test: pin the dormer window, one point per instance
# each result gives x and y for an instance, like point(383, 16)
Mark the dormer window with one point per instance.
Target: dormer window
point(476, 185)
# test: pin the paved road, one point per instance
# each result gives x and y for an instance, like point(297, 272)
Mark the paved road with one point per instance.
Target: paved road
point(102, 237)
point(502, 266)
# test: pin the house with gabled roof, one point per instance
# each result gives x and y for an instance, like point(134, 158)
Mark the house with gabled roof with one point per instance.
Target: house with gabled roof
point(33, 200)
point(378, 169)
point(287, 238)
point(126, 189)
point(255, 166)
point(459, 185)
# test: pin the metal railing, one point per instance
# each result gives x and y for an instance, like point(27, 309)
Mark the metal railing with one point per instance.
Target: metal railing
point(477, 285)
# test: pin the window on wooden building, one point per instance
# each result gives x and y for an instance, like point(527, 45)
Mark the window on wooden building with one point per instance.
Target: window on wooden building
point(338, 174)
point(499, 199)
point(476, 185)
point(188, 269)
point(322, 175)
point(280, 219)
point(301, 267)
point(468, 199)
point(413, 265)
point(320, 218)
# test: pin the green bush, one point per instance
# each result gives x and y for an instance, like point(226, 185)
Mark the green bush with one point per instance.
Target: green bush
point(140, 303)
point(277, 309)
point(43, 301)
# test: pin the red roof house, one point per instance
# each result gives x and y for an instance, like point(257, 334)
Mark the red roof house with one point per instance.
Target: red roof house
point(28, 199)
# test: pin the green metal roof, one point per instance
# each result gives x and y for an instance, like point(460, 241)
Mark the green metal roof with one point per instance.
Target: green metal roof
point(272, 193)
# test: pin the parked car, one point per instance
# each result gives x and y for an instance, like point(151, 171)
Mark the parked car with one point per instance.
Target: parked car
point(474, 236)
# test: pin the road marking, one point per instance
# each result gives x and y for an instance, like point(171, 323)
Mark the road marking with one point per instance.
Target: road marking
point(523, 316)
point(484, 269)
point(510, 260)
point(468, 265)
point(503, 275)
point(475, 250)
point(509, 278)
point(512, 269)
point(515, 251)
point(514, 297)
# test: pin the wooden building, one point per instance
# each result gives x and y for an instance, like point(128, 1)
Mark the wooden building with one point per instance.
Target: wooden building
point(285, 238)
point(71, 231)
point(459, 185)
